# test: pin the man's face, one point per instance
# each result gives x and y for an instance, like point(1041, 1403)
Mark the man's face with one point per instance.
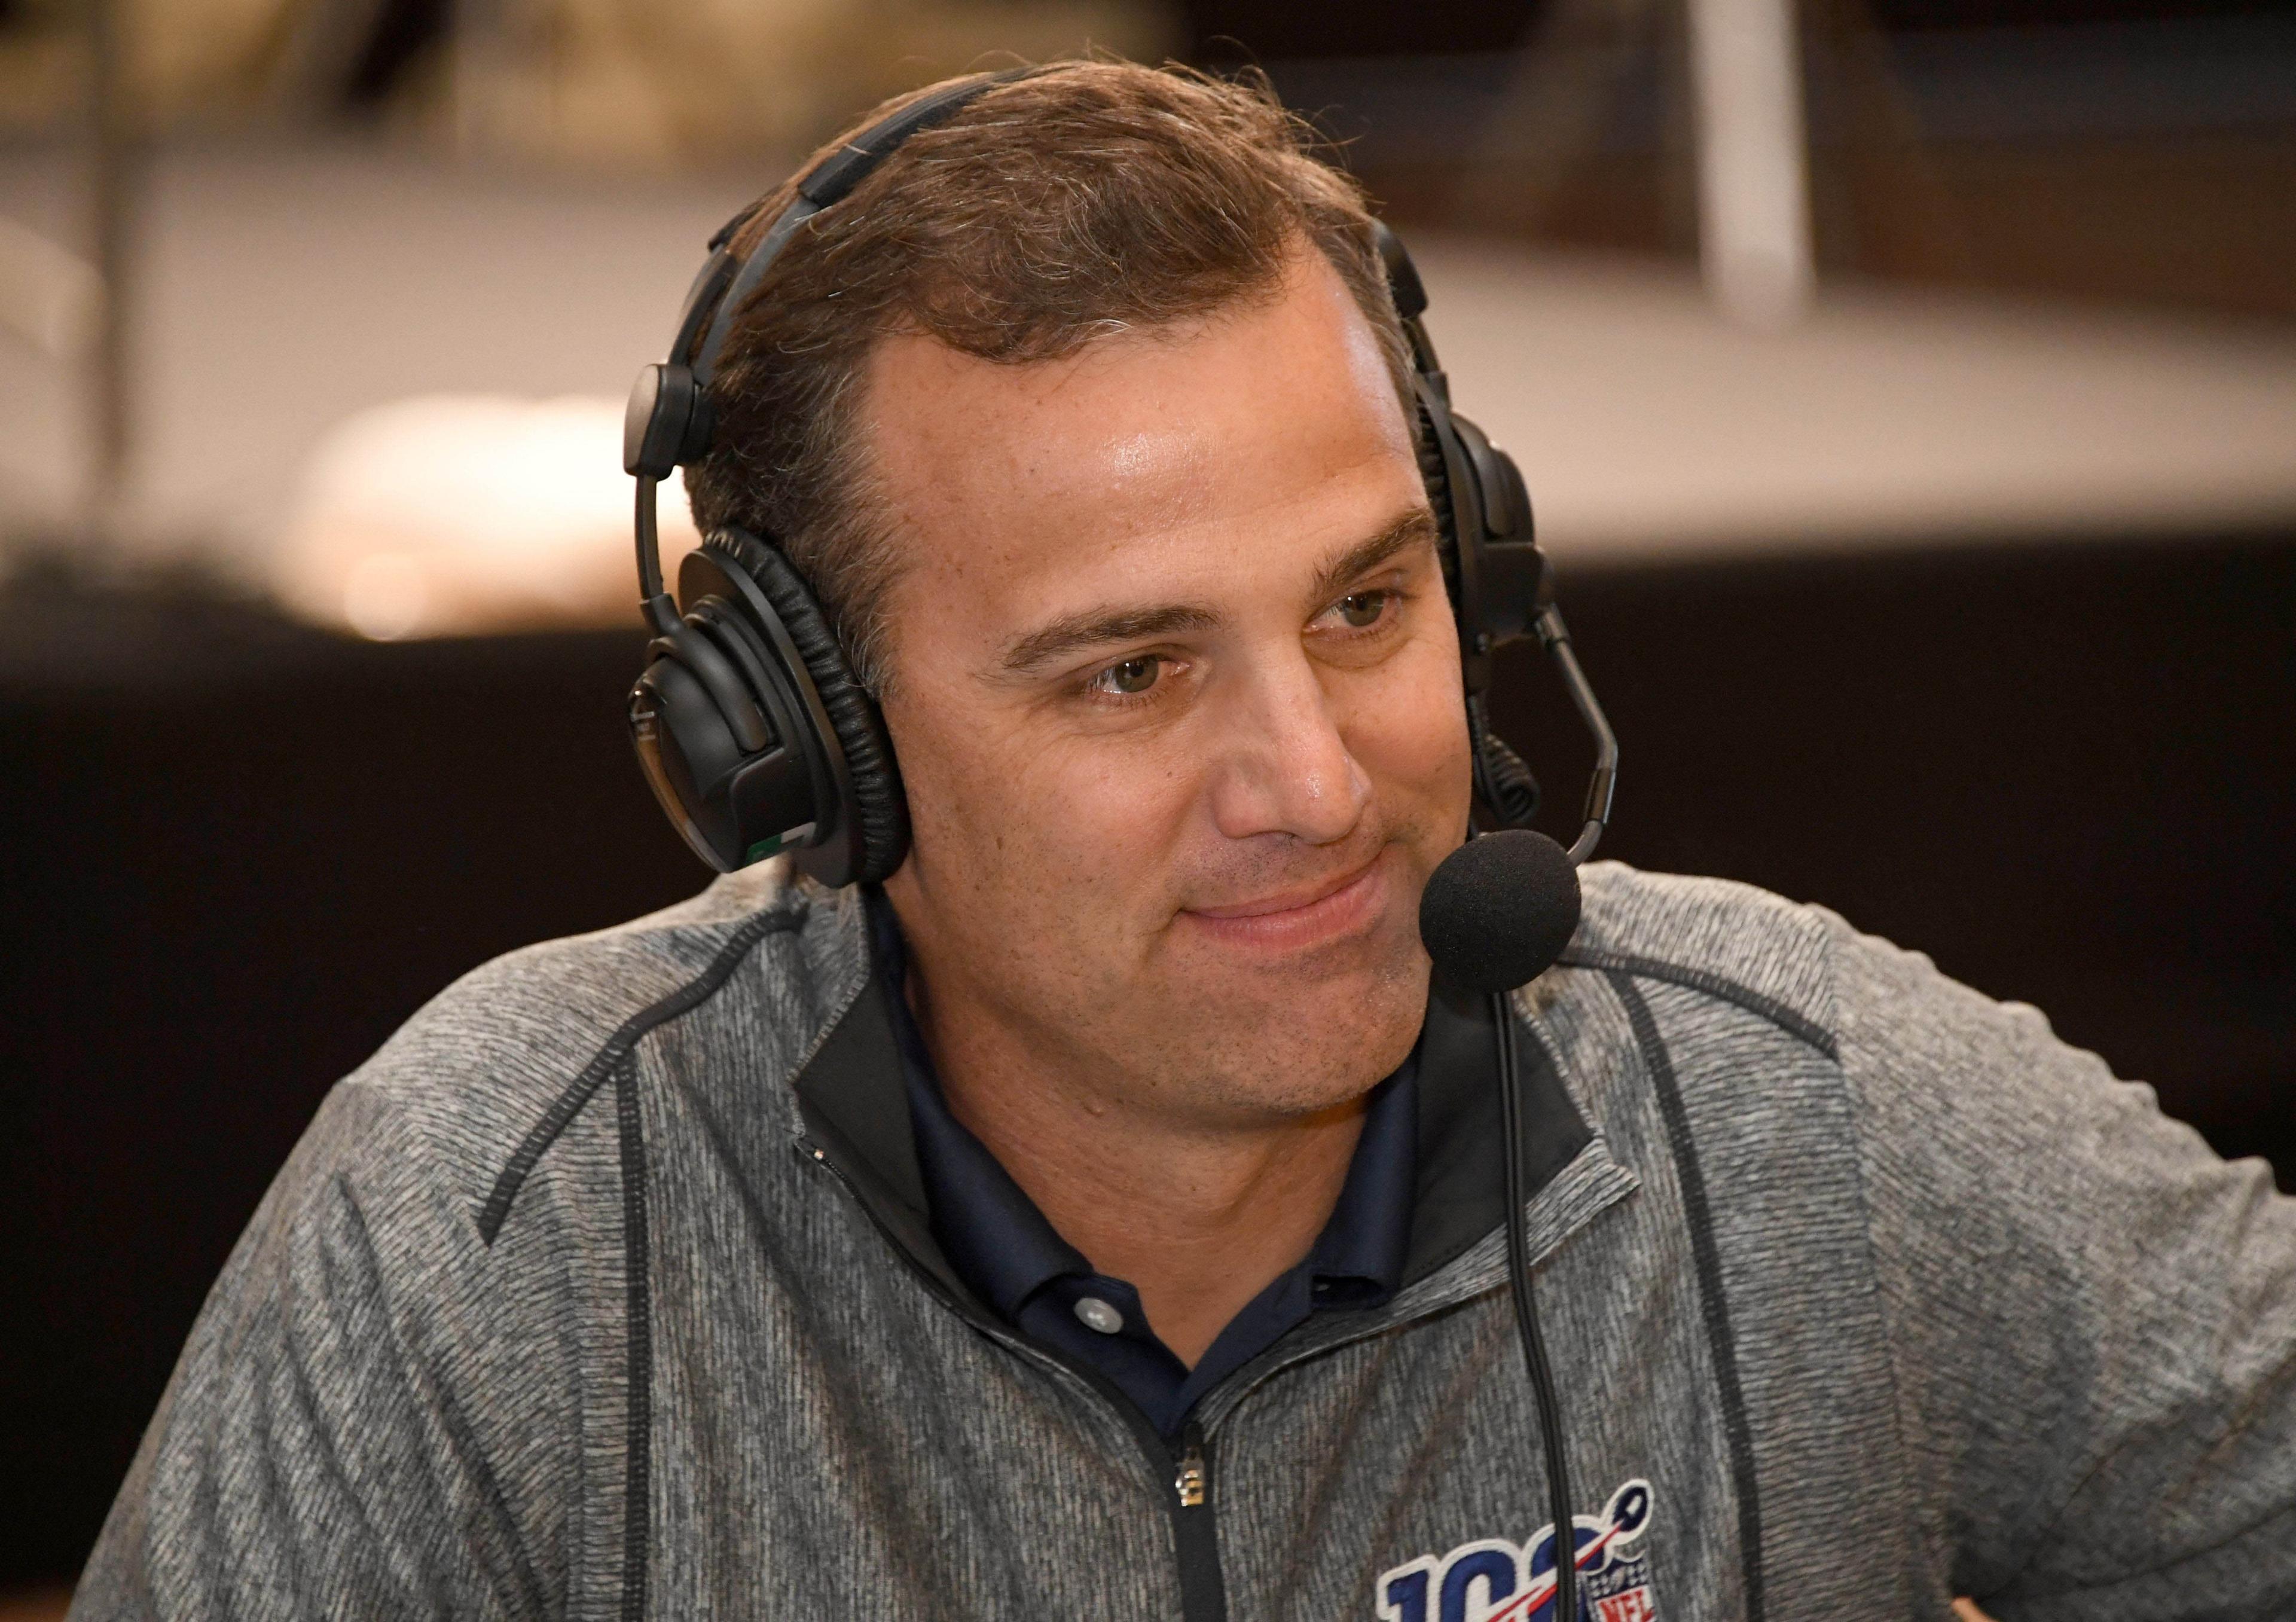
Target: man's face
point(1176, 691)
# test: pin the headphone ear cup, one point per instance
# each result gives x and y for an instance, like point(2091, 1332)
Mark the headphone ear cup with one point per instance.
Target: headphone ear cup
point(880, 809)
point(720, 667)
point(1501, 778)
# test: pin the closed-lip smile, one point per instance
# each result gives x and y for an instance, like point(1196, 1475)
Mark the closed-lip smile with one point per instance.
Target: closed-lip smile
point(1305, 914)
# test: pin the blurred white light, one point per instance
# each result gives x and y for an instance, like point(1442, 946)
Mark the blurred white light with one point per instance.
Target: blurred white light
point(461, 514)
point(383, 596)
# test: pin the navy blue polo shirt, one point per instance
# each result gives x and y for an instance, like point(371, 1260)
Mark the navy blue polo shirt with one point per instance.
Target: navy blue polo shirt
point(1003, 1247)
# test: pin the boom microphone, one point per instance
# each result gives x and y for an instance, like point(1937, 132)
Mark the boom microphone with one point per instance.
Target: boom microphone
point(1495, 914)
point(1499, 910)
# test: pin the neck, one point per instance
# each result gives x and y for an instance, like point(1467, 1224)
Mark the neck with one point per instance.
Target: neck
point(1198, 1215)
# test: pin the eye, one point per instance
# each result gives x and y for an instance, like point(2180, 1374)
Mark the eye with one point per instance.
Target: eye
point(1130, 675)
point(1362, 610)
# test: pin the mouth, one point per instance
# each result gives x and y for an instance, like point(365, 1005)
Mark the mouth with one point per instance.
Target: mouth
point(1302, 915)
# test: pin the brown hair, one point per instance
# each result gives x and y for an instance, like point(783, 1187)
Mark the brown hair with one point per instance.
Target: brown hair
point(1088, 199)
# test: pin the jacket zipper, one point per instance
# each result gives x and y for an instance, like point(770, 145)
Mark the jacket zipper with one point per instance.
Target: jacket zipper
point(1203, 1588)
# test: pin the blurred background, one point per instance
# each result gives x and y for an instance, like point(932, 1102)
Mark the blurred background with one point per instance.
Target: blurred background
point(1908, 390)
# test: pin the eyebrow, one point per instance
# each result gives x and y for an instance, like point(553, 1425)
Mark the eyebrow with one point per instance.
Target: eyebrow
point(1413, 527)
point(1095, 626)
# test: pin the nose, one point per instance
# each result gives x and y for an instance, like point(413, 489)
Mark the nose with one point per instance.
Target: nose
point(1283, 764)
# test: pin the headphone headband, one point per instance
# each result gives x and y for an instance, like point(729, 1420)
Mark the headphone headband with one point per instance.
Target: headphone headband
point(668, 423)
point(828, 182)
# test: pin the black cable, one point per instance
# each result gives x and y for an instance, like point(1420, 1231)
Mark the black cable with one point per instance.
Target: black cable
point(1500, 777)
point(1526, 1323)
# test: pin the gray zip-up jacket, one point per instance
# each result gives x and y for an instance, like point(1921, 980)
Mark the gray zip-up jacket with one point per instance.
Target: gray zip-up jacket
point(606, 1289)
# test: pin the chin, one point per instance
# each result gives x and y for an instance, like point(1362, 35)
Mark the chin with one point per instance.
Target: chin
point(1310, 1043)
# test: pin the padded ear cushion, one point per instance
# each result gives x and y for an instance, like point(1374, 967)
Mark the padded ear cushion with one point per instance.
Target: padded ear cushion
point(1501, 777)
point(880, 808)
point(1436, 476)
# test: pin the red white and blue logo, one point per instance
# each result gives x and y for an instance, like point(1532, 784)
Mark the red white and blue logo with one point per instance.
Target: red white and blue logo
point(1492, 1580)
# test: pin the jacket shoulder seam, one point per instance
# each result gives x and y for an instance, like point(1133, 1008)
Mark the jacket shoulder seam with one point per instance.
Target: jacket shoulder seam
point(1720, 986)
point(577, 1092)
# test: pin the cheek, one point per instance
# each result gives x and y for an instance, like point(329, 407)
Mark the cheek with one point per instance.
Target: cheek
point(1408, 728)
point(1035, 817)
point(1117, 812)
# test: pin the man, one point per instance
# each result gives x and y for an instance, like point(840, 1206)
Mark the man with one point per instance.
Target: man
point(1101, 1215)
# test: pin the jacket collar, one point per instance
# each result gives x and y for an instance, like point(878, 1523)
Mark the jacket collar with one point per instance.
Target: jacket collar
point(1462, 1187)
point(853, 1103)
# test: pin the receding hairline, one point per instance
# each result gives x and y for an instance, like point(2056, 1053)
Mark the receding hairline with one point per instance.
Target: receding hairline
point(895, 559)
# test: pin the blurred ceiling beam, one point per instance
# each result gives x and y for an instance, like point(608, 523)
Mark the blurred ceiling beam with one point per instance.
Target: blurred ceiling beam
point(49, 295)
point(1755, 245)
point(113, 194)
point(1750, 133)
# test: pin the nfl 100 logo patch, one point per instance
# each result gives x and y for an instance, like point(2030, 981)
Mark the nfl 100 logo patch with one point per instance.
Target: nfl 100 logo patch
point(1492, 1580)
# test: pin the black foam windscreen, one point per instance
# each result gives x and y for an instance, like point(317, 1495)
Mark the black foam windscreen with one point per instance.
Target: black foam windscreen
point(1499, 910)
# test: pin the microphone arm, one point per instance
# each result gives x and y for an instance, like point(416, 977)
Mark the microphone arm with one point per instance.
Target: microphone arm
point(1555, 636)
point(660, 609)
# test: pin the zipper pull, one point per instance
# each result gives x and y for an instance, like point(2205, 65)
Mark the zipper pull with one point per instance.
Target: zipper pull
point(1193, 1479)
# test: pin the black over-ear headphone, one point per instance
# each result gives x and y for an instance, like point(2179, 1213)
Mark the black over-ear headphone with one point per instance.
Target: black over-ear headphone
point(753, 731)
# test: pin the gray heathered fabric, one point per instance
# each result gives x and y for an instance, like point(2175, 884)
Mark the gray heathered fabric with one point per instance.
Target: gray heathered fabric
point(1988, 1323)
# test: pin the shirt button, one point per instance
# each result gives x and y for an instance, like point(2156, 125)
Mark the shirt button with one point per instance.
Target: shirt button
point(1096, 1314)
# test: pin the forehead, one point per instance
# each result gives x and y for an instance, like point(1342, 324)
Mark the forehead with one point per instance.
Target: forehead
point(1177, 459)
